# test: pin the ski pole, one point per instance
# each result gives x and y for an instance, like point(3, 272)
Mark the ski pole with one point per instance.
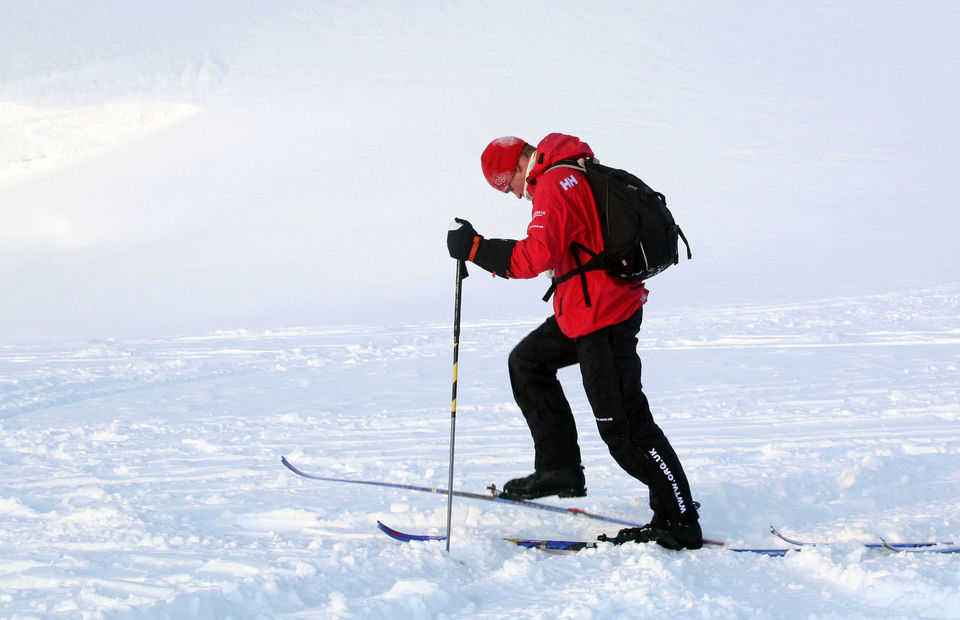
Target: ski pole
point(461, 274)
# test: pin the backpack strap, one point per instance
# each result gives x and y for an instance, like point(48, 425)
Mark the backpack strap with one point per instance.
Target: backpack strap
point(595, 260)
point(576, 164)
point(680, 233)
point(594, 263)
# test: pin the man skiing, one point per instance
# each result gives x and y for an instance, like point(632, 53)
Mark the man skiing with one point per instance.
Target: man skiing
point(595, 322)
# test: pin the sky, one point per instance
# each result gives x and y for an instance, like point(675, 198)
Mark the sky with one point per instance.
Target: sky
point(183, 167)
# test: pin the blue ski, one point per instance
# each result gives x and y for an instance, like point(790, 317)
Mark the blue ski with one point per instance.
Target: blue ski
point(561, 546)
point(896, 547)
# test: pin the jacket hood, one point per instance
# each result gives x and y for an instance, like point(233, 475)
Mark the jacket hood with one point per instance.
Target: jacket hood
point(555, 147)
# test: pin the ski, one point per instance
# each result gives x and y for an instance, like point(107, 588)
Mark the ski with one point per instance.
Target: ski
point(895, 547)
point(403, 536)
point(554, 545)
point(561, 546)
point(573, 546)
point(494, 496)
point(466, 494)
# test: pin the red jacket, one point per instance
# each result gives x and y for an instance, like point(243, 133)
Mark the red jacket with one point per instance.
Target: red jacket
point(563, 213)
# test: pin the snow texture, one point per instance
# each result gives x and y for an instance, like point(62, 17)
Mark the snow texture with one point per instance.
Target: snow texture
point(222, 241)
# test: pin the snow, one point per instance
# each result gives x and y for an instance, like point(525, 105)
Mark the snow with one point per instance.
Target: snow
point(221, 241)
point(39, 138)
point(147, 479)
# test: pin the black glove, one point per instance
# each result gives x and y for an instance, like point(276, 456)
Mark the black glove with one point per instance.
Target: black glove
point(461, 238)
point(490, 254)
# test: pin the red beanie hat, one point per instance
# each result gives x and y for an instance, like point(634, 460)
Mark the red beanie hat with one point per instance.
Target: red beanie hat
point(499, 161)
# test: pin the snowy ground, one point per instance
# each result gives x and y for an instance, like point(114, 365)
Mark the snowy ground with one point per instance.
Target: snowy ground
point(143, 477)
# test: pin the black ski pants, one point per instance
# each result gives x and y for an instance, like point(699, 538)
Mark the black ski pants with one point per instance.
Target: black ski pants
point(610, 368)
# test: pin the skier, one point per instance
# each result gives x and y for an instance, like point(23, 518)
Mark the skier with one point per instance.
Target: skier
point(595, 322)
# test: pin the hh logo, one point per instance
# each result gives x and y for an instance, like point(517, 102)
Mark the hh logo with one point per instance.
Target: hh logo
point(568, 182)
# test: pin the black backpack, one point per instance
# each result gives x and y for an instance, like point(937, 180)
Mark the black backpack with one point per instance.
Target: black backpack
point(640, 237)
